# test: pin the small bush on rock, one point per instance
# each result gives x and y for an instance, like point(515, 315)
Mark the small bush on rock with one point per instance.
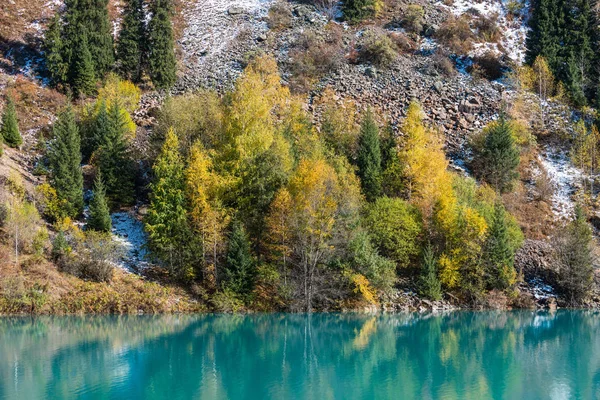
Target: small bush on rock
point(378, 48)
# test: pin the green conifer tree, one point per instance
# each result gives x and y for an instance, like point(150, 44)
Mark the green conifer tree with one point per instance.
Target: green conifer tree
point(97, 133)
point(53, 52)
point(498, 161)
point(161, 57)
point(131, 46)
point(65, 163)
point(499, 254)
point(99, 219)
point(239, 264)
point(83, 81)
point(166, 222)
point(98, 30)
point(369, 158)
point(430, 285)
point(573, 256)
point(10, 125)
point(113, 159)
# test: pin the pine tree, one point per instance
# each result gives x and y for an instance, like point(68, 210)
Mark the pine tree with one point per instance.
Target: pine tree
point(239, 264)
point(573, 256)
point(53, 52)
point(498, 161)
point(131, 45)
point(10, 125)
point(98, 30)
point(499, 254)
point(113, 159)
point(369, 158)
point(99, 219)
point(83, 81)
point(162, 64)
point(65, 159)
point(166, 223)
point(430, 285)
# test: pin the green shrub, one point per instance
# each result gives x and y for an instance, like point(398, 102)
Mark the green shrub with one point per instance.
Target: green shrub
point(378, 48)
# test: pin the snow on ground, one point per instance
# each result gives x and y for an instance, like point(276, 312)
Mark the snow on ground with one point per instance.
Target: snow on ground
point(565, 177)
point(541, 290)
point(129, 232)
point(514, 30)
point(210, 30)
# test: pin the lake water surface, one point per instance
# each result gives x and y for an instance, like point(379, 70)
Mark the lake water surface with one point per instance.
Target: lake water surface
point(461, 355)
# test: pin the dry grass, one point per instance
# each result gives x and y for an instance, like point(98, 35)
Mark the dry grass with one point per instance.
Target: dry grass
point(36, 286)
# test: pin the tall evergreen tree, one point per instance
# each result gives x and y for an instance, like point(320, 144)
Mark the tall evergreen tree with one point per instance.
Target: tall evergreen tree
point(65, 163)
point(498, 160)
point(131, 44)
point(369, 158)
point(573, 256)
point(98, 30)
point(10, 125)
point(97, 133)
point(99, 219)
point(161, 57)
point(499, 253)
point(166, 222)
point(113, 159)
point(239, 264)
point(53, 52)
point(83, 81)
point(430, 285)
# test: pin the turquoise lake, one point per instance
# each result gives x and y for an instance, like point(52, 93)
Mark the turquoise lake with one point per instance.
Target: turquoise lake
point(461, 355)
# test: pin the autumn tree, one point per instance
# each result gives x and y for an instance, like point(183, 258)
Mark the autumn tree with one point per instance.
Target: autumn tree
point(208, 217)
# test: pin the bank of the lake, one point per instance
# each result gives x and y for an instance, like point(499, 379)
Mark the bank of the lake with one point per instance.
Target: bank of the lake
point(458, 355)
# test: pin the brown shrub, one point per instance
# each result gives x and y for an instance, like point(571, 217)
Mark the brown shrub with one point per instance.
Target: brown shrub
point(456, 35)
point(488, 66)
point(403, 42)
point(443, 64)
point(313, 57)
point(487, 28)
point(280, 16)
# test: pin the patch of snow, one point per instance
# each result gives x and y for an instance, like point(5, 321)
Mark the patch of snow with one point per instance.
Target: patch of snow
point(514, 30)
point(541, 290)
point(129, 232)
point(427, 46)
point(565, 178)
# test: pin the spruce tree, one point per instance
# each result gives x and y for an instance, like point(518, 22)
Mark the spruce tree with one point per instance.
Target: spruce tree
point(99, 219)
point(239, 263)
point(573, 256)
point(430, 285)
point(98, 30)
point(131, 44)
point(53, 52)
point(166, 222)
point(10, 125)
point(498, 161)
point(113, 159)
point(97, 133)
point(369, 158)
point(83, 81)
point(161, 57)
point(65, 163)
point(499, 255)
